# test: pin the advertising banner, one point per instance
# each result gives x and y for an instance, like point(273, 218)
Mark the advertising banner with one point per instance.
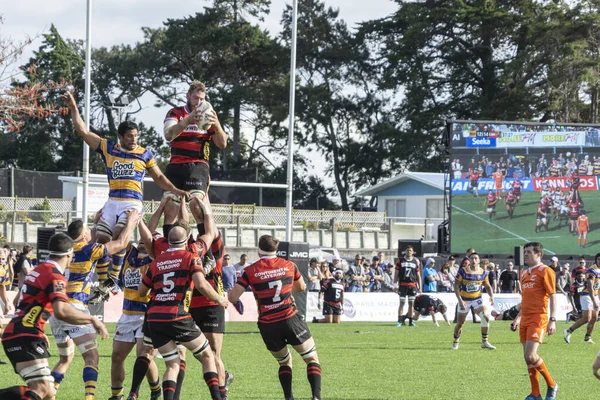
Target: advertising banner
point(564, 183)
point(461, 186)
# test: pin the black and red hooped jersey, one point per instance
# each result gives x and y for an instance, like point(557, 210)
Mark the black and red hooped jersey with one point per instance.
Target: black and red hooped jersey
point(408, 271)
point(333, 292)
point(491, 199)
point(170, 276)
point(511, 198)
point(214, 279)
point(160, 244)
point(573, 209)
point(272, 279)
point(517, 186)
point(193, 144)
point(43, 285)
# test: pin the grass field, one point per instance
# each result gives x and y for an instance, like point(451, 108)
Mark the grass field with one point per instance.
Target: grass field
point(502, 234)
point(375, 361)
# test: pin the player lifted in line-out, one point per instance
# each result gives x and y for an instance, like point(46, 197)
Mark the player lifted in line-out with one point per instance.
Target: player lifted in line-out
point(169, 277)
point(583, 226)
point(273, 280)
point(538, 285)
point(331, 299)
point(86, 253)
point(590, 304)
point(25, 344)
point(126, 164)
point(188, 168)
point(491, 199)
point(129, 332)
point(467, 287)
point(430, 305)
point(510, 201)
point(408, 277)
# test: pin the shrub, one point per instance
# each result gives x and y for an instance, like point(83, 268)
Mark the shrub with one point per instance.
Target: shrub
point(42, 211)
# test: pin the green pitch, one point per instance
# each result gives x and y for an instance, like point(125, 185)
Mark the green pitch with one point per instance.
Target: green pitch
point(470, 227)
point(374, 361)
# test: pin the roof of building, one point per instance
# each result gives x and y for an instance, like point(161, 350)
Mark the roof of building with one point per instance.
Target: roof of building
point(434, 179)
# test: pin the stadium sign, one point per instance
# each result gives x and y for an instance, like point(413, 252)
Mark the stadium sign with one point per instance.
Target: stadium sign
point(461, 186)
point(564, 183)
point(481, 142)
point(541, 139)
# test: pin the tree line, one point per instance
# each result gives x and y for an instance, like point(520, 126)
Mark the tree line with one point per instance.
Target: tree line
point(371, 100)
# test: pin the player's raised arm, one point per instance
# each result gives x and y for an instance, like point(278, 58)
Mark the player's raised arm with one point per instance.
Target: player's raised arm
point(210, 228)
point(90, 138)
point(206, 289)
point(164, 183)
point(155, 218)
point(220, 137)
point(172, 129)
point(146, 238)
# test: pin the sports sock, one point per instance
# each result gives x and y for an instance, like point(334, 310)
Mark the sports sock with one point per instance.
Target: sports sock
point(540, 365)
point(588, 336)
point(169, 389)
point(13, 393)
point(117, 391)
point(313, 371)
point(571, 330)
point(484, 337)
point(58, 378)
point(166, 230)
point(534, 378)
point(285, 378)
point(155, 386)
point(29, 395)
point(180, 377)
point(140, 368)
point(102, 268)
point(578, 241)
point(212, 381)
point(456, 338)
point(223, 391)
point(117, 264)
point(90, 379)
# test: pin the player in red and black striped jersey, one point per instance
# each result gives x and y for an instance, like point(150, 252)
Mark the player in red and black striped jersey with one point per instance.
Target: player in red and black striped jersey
point(190, 148)
point(331, 297)
point(430, 305)
point(273, 279)
point(510, 201)
point(24, 342)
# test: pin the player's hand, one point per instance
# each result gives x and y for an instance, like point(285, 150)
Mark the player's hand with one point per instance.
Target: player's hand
point(8, 308)
point(318, 306)
point(133, 214)
point(100, 328)
point(551, 328)
point(514, 325)
point(182, 193)
point(69, 101)
point(213, 119)
point(492, 300)
point(462, 305)
point(596, 367)
point(223, 302)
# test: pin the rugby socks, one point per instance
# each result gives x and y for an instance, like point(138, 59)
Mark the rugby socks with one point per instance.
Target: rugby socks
point(223, 391)
point(212, 381)
point(169, 390)
point(117, 264)
point(117, 391)
point(140, 369)
point(155, 386)
point(58, 378)
point(484, 337)
point(588, 337)
point(13, 393)
point(285, 378)
point(180, 377)
point(313, 371)
point(90, 379)
point(540, 366)
point(200, 228)
point(534, 378)
point(29, 395)
point(167, 229)
point(102, 268)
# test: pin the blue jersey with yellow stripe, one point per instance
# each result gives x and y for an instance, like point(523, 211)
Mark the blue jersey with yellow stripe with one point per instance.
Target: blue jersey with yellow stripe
point(593, 275)
point(4, 275)
point(471, 282)
point(81, 271)
point(125, 169)
point(135, 267)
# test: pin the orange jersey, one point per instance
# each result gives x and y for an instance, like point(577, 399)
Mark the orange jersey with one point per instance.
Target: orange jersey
point(583, 223)
point(537, 284)
point(498, 178)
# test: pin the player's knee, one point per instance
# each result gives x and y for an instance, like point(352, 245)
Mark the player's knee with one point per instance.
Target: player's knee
point(285, 360)
point(39, 376)
point(203, 351)
point(104, 233)
point(531, 359)
point(310, 355)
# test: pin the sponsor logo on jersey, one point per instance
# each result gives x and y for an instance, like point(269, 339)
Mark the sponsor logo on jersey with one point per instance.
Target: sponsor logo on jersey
point(132, 278)
point(122, 170)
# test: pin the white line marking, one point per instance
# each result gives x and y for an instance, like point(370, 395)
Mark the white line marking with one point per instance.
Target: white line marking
point(501, 228)
point(533, 238)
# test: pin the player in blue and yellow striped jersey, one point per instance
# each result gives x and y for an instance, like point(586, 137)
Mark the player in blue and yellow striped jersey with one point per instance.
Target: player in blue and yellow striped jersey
point(126, 164)
point(590, 303)
point(129, 331)
point(79, 281)
point(470, 280)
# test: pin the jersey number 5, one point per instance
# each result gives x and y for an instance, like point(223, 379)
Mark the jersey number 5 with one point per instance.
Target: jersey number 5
point(277, 285)
point(168, 284)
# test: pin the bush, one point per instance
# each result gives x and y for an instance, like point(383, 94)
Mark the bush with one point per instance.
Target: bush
point(3, 215)
point(39, 215)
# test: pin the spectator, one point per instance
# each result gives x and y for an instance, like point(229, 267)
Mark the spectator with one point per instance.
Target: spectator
point(490, 267)
point(239, 267)
point(369, 277)
point(229, 273)
point(314, 276)
point(509, 280)
point(377, 273)
point(23, 265)
point(452, 266)
point(563, 280)
point(554, 265)
point(355, 276)
point(325, 273)
point(430, 277)
point(446, 283)
point(580, 268)
point(388, 285)
point(382, 263)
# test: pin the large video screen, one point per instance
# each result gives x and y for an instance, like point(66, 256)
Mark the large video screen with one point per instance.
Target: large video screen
point(513, 183)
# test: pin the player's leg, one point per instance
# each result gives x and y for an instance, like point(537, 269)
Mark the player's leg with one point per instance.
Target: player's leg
point(337, 315)
point(485, 326)
point(215, 340)
point(273, 336)
point(402, 294)
point(142, 362)
point(591, 323)
point(535, 364)
point(298, 335)
point(88, 347)
point(182, 368)
point(171, 357)
point(197, 185)
point(412, 293)
point(327, 315)
point(586, 315)
point(120, 351)
point(200, 349)
point(39, 381)
point(148, 352)
point(460, 321)
point(416, 315)
point(66, 350)
point(104, 233)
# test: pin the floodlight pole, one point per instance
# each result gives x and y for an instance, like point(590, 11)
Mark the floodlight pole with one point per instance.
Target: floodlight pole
point(290, 165)
point(88, 67)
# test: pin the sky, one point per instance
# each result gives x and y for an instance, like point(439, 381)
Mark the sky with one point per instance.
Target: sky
point(120, 21)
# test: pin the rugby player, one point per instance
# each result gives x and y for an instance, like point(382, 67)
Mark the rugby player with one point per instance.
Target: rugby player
point(126, 164)
point(188, 168)
point(538, 285)
point(490, 203)
point(517, 185)
point(575, 296)
point(80, 276)
point(273, 280)
point(498, 176)
point(407, 275)
point(512, 314)
point(170, 276)
point(467, 287)
point(541, 217)
point(590, 304)
point(510, 201)
point(43, 294)
point(331, 298)
point(583, 226)
point(430, 305)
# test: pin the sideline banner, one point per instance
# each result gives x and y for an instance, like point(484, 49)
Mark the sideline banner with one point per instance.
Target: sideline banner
point(460, 186)
point(564, 183)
